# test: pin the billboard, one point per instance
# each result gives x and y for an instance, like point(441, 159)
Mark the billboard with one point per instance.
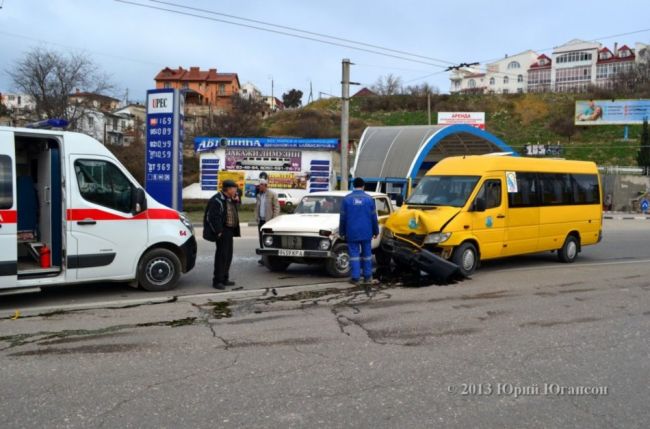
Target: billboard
point(164, 148)
point(263, 159)
point(611, 112)
point(236, 176)
point(475, 119)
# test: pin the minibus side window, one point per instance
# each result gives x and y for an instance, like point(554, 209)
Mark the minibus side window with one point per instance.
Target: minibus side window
point(102, 183)
point(556, 189)
point(526, 195)
point(6, 182)
point(585, 188)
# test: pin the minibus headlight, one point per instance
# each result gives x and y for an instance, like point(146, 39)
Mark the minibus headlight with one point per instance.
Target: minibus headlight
point(324, 244)
point(185, 221)
point(268, 241)
point(437, 237)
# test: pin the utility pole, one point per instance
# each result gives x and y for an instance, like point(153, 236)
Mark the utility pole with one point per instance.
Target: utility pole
point(345, 122)
point(272, 97)
point(429, 106)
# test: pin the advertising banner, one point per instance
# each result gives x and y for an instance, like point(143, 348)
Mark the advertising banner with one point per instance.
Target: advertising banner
point(263, 159)
point(611, 112)
point(475, 119)
point(239, 177)
point(288, 180)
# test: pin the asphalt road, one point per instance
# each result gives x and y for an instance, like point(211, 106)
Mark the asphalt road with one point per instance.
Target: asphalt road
point(526, 343)
point(624, 240)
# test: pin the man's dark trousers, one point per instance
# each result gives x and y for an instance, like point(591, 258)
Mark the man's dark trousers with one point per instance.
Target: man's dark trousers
point(223, 256)
point(260, 224)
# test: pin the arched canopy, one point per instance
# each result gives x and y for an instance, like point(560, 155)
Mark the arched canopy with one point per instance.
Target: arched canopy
point(408, 151)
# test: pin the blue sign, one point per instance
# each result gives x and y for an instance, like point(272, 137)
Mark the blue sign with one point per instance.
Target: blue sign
point(644, 205)
point(164, 154)
point(206, 144)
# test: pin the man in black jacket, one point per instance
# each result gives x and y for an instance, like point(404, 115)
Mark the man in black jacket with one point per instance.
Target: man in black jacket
point(221, 225)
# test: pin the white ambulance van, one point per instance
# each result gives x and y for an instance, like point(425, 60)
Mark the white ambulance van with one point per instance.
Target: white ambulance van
point(71, 213)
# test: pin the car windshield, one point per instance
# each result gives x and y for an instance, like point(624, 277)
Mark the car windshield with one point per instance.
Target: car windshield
point(319, 204)
point(443, 191)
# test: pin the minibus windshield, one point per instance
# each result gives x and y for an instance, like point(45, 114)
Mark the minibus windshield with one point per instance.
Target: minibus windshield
point(443, 191)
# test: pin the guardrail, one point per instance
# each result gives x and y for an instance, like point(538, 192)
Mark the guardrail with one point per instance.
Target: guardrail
point(616, 169)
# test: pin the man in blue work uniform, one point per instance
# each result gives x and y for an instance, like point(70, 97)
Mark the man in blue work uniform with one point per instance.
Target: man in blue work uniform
point(359, 225)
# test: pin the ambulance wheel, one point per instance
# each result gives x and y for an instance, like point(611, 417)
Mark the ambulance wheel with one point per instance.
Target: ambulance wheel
point(339, 265)
point(466, 257)
point(274, 263)
point(159, 270)
point(569, 251)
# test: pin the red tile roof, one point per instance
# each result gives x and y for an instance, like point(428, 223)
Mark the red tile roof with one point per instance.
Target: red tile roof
point(194, 74)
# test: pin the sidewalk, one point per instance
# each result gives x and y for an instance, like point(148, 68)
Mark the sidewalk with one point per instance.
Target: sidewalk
point(625, 216)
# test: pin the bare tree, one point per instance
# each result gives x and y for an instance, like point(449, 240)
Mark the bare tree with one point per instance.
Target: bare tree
point(50, 77)
point(422, 90)
point(388, 85)
point(634, 81)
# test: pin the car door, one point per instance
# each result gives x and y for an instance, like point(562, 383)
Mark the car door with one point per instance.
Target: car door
point(8, 215)
point(384, 209)
point(109, 238)
point(489, 225)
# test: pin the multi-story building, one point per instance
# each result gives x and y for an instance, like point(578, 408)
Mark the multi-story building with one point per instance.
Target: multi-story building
point(505, 76)
point(250, 91)
point(205, 88)
point(572, 67)
point(22, 102)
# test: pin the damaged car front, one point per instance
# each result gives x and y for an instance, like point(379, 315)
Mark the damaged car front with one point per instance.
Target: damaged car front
point(427, 232)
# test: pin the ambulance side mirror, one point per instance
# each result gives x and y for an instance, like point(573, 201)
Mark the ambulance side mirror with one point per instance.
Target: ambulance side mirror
point(139, 203)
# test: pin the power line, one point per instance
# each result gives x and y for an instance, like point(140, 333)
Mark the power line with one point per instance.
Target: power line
point(212, 12)
point(284, 33)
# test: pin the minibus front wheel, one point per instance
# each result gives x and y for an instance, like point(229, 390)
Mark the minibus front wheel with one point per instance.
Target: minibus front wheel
point(466, 257)
point(569, 251)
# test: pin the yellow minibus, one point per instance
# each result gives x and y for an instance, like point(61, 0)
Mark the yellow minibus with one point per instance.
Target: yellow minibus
point(472, 208)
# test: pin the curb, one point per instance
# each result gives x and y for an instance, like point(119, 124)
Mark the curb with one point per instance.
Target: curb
point(623, 217)
point(208, 296)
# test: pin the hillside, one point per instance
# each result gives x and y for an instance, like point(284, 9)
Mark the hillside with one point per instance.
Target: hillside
point(518, 119)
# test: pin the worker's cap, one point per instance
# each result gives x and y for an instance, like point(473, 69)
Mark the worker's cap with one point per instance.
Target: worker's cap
point(228, 184)
point(264, 182)
point(358, 182)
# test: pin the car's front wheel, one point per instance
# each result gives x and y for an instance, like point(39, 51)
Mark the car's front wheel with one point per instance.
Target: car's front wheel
point(159, 270)
point(339, 265)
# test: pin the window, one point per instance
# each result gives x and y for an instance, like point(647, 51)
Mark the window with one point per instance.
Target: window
point(383, 208)
point(505, 79)
point(585, 189)
point(471, 83)
point(514, 65)
point(505, 91)
point(572, 57)
point(114, 124)
point(443, 191)
point(520, 90)
point(491, 81)
point(520, 78)
point(491, 193)
point(222, 89)
point(6, 182)
point(526, 195)
point(282, 195)
point(167, 85)
point(91, 122)
point(19, 100)
point(555, 189)
point(102, 183)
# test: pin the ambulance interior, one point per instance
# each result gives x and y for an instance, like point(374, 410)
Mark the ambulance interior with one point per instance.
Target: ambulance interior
point(40, 206)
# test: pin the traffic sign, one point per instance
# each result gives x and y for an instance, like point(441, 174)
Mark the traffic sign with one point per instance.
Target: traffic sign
point(644, 205)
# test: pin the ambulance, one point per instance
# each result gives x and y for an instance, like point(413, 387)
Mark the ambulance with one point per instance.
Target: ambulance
point(71, 213)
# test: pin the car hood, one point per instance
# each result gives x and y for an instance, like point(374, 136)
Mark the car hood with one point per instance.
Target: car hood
point(411, 220)
point(303, 223)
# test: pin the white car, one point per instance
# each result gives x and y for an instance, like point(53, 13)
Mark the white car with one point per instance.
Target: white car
point(287, 201)
point(310, 235)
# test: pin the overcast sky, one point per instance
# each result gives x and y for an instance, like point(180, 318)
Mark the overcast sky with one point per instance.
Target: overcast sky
point(132, 44)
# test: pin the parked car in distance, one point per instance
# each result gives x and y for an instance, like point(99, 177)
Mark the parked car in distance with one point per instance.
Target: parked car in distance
point(311, 235)
point(287, 201)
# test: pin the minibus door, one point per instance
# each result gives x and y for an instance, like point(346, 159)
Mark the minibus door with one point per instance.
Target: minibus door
point(8, 213)
point(489, 218)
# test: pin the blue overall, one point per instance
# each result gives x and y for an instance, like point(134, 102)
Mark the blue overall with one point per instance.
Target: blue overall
point(358, 224)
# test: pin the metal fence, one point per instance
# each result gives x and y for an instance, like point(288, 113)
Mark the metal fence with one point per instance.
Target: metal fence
point(617, 169)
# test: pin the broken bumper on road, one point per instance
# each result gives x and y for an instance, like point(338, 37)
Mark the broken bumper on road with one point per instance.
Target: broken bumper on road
point(406, 254)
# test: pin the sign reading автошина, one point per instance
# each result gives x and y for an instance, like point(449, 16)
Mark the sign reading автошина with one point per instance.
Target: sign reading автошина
point(207, 144)
point(611, 112)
